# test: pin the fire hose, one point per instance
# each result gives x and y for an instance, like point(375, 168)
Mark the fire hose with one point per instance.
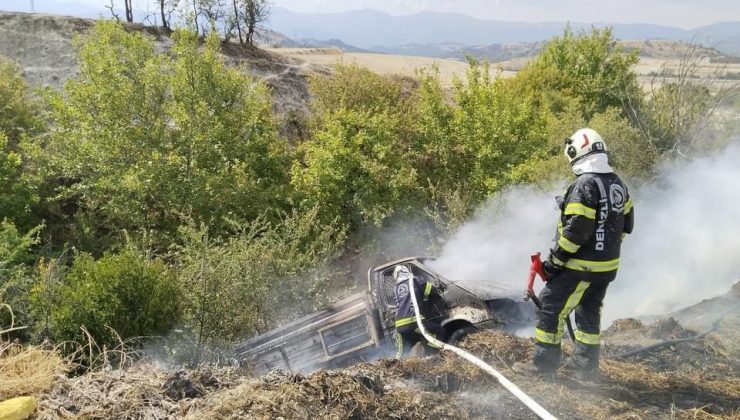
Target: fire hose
point(524, 398)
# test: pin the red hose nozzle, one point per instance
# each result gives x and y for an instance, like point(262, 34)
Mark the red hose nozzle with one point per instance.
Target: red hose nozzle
point(535, 268)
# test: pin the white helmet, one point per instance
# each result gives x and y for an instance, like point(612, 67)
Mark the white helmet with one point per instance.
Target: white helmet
point(583, 142)
point(401, 272)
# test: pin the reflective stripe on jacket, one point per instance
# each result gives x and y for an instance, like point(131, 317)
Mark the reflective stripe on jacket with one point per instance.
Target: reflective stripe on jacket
point(596, 212)
point(404, 307)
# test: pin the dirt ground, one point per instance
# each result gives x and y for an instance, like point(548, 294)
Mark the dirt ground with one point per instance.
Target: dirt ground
point(684, 378)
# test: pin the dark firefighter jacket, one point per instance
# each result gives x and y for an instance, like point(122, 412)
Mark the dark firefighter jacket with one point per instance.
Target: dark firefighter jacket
point(595, 214)
point(405, 314)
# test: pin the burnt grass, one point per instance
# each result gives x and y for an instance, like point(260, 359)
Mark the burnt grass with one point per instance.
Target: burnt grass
point(694, 375)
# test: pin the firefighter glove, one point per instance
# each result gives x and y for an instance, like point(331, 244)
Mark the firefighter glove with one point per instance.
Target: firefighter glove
point(551, 270)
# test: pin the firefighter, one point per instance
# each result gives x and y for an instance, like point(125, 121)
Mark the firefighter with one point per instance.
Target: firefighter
point(596, 213)
point(407, 331)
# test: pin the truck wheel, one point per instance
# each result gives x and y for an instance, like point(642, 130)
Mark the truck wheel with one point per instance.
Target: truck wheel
point(459, 334)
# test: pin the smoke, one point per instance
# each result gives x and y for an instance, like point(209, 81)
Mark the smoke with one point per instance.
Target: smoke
point(685, 247)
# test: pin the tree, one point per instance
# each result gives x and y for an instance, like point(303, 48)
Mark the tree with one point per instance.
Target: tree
point(129, 10)
point(166, 7)
point(254, 14)
point(677, 119)
point(588, 66)
point(214, 11)
point(150, 140)
point(237, 19)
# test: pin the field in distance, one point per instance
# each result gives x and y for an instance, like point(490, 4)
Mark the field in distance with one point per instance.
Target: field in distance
point(405, 65)
point(654, 55)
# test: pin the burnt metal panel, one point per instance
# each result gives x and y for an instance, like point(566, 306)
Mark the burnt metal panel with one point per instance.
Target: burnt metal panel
point(347, 336)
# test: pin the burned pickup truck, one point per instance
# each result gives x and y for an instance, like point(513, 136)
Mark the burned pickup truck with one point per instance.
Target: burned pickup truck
point(361, 327)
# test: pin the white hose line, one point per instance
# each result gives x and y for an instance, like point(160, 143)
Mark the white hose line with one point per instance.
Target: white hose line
point(524, 398)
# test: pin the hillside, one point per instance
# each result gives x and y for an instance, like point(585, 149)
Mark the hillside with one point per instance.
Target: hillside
point(43, 45)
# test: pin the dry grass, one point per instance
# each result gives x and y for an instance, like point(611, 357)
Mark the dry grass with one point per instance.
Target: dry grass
point(325, 395)
point(28, 370)
point(440, 386)
point(134, 393)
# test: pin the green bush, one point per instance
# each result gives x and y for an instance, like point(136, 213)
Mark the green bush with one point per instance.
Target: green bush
point(266, 274)
point(19, 111)
point(15, 275)
point(499, 128)
point(19, 188)
point(590, 67)
point(355, 164)
point(356, 88)
point(19, 125)
point(147, 140)
point(127, 294)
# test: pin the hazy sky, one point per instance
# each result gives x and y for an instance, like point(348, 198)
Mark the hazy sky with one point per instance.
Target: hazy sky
point(682, 13)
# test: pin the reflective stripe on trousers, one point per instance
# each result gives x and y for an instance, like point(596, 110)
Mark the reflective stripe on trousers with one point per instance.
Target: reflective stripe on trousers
point(573, 300)
point(588, 338)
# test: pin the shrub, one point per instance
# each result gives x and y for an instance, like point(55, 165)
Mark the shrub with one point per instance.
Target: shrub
point(590, 67)
point(499, 128)
point(354, 88)
point(148, 140)
point(248, 284)
point(355, 164)
point(19, 125)
point(15, 276)
point(19, 189)
point(127, 294)
point(19, 111)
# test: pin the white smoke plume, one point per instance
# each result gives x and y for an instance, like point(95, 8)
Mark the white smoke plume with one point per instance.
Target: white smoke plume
point(685, 247)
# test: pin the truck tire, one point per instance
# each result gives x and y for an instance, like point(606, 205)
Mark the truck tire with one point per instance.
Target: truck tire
point(459, 334)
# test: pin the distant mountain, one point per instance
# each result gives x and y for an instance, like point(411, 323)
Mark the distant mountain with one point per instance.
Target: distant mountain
point(371, 29)
point(331, 43)
point(269, 38)
point(450, 50)
point(492, 53)
point(272, 39)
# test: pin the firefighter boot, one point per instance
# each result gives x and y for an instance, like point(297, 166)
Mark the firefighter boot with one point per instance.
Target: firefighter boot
point(529, 368)
point(572, 369)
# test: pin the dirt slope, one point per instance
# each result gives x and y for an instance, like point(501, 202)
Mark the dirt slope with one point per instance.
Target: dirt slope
point(43, 45)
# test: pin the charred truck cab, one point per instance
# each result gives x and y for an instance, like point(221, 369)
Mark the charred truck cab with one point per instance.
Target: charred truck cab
point(361, 327)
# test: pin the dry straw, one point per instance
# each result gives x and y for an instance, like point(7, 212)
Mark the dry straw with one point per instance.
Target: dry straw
point(28, 370)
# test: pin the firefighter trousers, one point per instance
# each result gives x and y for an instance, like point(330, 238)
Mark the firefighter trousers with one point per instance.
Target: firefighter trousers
point(408, 335)
point(564, 293)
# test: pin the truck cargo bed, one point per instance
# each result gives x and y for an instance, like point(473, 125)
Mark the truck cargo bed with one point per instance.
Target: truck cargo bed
point(321, 339)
